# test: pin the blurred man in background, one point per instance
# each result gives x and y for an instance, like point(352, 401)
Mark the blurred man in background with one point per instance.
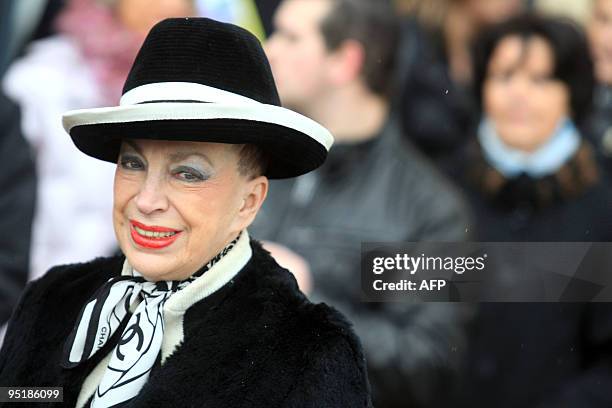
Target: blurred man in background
point(333, 60)
point(599, 128)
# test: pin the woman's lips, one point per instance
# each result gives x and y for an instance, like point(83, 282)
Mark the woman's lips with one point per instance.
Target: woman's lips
point(152, 237)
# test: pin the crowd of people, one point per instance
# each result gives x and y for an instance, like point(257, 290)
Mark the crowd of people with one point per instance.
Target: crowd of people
point(454, 120)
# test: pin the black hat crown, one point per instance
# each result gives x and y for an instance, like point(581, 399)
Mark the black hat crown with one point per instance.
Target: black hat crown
point(207, 52)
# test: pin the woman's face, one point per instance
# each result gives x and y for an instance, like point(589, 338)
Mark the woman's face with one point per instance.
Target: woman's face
point(520, 95)
point(600, 37)
point(493, 11)
point(177, 204)
point(141, 15)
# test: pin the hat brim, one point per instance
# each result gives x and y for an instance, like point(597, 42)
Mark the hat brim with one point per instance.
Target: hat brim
point(294, 143)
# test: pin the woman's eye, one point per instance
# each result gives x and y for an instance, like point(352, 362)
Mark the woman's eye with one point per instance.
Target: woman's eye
point(540, 79)
point(504, 76)
point(131, 163)
point(190, 175)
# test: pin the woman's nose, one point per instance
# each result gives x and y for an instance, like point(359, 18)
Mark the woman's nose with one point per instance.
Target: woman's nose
point(152, 196)
point(519, 89)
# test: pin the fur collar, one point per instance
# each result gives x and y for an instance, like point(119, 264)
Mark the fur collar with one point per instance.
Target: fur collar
point(572, 180)
point(259, 340)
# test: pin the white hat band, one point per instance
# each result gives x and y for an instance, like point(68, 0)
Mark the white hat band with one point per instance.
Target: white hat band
point(182, 91)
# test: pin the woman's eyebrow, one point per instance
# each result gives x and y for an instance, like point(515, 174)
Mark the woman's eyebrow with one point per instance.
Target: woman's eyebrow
point(178, 156)
point(133, 145)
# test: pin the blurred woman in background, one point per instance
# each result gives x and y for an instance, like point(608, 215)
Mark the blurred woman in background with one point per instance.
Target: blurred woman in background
point(530, 176)
point(84, 65)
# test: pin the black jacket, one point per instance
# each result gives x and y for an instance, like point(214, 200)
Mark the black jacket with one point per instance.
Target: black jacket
point(539, 355)
point(436, 112)
point(573, 204)
point(256, 342)
point(17, 193)
point(379, 190)
point(598, 126)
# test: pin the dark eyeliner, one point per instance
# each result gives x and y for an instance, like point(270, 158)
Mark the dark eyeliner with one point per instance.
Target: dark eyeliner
point(198, 175)
point(125, 159)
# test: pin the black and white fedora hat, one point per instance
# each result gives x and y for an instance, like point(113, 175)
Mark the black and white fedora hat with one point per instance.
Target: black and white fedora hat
point(197, 79)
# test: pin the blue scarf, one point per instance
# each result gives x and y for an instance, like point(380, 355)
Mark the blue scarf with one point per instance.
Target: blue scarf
point(547, 159)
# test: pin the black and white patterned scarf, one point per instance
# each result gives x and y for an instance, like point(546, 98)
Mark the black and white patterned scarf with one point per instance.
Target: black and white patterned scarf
point(138, 347)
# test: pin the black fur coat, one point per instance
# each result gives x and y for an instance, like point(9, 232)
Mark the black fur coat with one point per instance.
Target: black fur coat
point(256, 342)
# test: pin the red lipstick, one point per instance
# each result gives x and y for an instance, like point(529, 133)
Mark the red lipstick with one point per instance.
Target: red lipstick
point(152, 237)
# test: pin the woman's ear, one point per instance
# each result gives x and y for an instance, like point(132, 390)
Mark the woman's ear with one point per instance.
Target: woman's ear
point(254, 194)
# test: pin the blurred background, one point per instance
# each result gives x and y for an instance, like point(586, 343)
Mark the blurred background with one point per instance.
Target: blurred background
point(455, 120)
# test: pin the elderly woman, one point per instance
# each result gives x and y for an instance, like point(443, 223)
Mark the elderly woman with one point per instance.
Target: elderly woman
point(530, 176)
point(194, 313)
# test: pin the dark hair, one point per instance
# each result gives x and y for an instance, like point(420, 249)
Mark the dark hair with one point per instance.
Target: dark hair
point(374, 25)
point(252, 160)
point(572, 62)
